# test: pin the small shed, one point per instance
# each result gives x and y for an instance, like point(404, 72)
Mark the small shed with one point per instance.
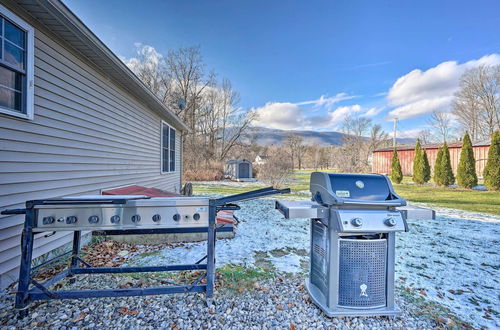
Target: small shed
point(238, 169)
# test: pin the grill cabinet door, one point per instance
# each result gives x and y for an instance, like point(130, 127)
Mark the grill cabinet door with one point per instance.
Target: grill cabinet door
point(362, 273)
point(319, 256)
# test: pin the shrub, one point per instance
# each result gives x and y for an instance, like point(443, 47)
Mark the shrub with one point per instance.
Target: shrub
point(438, 167)
point(418, 165)
point(396, 173)
point(207, 174)
point(277, 170)
point(447, 177)
point(427, 167)
point(491, 172)
point(466, 171)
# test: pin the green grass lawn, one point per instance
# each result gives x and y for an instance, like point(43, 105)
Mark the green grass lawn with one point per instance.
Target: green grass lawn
point(464, 199)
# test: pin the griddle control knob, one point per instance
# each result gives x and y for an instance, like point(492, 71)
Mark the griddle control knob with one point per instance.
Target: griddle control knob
point(196, 216)
point(93, 219)
point(71, 219)
point(48, 220)
point(136, 218)
point(356, 222)
point(391, 222)
point(156, 217)
point(176, 217)
point(115, 219)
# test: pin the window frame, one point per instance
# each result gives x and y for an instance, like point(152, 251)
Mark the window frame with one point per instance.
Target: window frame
point(163, 125)
point(28, 93)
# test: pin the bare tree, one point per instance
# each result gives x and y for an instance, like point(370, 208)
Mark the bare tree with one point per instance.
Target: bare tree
point(278, 169)
point(425, 136)
point(442, 123)
point(477, 102)
point(378, 138)
point(296, 148)
point(354, 151)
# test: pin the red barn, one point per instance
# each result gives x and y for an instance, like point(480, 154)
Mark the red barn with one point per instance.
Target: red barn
point(382, 157)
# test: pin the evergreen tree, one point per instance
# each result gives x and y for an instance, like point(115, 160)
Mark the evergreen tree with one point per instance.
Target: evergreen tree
point(466, 171)
point(491, 172)
point(447, 177)
point(438, 167)
point(418, 165)
point(396, 173)
point(427, 167)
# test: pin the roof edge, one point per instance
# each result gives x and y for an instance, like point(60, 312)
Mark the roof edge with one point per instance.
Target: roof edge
point(72, 22)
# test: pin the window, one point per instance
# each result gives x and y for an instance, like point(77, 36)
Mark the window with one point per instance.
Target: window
point(167, 148)
point(16, 65)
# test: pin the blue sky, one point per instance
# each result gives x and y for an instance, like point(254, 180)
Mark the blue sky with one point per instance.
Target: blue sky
point(307, 64)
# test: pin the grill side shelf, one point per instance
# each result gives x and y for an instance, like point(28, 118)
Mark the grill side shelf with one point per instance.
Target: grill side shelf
point(302, 209)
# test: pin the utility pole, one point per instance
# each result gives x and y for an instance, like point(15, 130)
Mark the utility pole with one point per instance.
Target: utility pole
point(394, 134)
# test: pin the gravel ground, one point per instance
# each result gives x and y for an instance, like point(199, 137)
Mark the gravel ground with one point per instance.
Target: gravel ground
point(281, 302)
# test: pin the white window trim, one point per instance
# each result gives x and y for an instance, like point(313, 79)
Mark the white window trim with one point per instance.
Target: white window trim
point(30, 58)
point(164, 123)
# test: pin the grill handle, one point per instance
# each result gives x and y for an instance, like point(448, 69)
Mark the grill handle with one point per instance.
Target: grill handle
point(13, 211)
point(394, 203)
point(250, 195)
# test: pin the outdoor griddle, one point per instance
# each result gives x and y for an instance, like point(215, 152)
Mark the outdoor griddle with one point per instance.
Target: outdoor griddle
point(120, 215)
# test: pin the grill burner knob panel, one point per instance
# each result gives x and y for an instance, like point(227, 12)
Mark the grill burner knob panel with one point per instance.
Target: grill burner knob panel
point(136, 218)
point(156, 218)
point(93, 219)
point(390, 222)
point(71, 219)
point(356, 222)
point(176, 217)
point(115, 219)
point(196, 216)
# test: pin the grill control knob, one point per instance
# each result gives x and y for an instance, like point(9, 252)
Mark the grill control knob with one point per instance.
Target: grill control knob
point(115, 219)
point(390, 222)
point(136, 218)
point(196, 216)
point(93, 219)
point(356, 222)
point(48, 220)
point(71, 219)
point(156, 217)
point(176, 217)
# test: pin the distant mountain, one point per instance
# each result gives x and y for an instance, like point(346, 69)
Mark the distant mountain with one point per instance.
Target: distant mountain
point(269, 136)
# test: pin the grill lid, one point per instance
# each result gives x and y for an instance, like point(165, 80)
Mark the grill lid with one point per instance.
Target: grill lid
point(354, 189)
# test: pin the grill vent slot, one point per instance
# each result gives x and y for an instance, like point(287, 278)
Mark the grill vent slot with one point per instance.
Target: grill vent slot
point(362, 273)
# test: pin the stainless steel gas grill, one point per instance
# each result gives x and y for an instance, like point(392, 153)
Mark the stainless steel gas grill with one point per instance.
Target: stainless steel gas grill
point(353, 224)
point(120, 215)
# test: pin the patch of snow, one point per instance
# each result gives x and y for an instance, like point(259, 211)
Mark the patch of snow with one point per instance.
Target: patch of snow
point(454, 259)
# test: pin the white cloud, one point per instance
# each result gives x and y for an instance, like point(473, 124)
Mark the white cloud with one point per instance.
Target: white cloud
point(151, 57)
point(284, 115)
point(421, 92)
point(327, 102)
point(338, 115)
point(281, 116)
point(372, 112)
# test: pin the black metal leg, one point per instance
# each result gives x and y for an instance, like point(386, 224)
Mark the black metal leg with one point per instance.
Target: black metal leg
point(22, 296)
point(77, 236)
point(211, 251)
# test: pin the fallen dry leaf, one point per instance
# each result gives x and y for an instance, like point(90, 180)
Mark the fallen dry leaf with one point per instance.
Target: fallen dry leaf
point(279, 307)
point(79, 317)
point(292, 326)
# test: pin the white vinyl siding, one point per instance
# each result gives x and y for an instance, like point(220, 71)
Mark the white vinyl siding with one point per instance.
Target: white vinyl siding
point(87, 135)
point(16, 65)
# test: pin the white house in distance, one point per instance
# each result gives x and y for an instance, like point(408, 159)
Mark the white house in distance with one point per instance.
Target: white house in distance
point(73, 120)
point(261, 159)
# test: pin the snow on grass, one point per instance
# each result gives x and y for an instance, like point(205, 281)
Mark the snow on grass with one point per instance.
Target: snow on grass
point(453, 260)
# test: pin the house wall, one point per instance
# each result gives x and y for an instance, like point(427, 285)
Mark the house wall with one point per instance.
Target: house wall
point(87, 135)
point(382, 159)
